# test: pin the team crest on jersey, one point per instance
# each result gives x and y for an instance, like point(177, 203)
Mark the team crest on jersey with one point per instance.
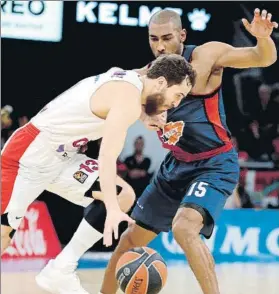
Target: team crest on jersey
point(172, 132)
point(80, 176)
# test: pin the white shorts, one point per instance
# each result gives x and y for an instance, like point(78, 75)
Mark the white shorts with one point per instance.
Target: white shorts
point(76, 179)
point(29, 165)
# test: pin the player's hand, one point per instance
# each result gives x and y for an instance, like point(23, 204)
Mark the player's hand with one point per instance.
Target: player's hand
point(261, 25)
point(155, 122)
point(160, 119)
point(113, 219)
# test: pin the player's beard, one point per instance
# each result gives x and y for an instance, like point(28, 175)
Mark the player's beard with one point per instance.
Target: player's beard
point(153, 103)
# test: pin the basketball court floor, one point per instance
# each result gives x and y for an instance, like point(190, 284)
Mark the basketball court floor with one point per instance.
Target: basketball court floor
point(234, 278)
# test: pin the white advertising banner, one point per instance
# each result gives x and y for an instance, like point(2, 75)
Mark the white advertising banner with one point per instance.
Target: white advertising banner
point(32, 20)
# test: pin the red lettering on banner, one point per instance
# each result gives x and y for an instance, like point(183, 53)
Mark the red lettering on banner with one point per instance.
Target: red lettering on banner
point(35, 237)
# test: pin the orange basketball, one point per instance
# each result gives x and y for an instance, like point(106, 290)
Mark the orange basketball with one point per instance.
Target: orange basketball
point(141, 271)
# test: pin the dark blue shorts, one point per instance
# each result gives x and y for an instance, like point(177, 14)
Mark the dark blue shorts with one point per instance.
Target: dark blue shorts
point(203, 185)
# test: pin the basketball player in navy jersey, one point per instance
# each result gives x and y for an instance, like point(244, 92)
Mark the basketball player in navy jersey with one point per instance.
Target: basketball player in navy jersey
point(201, 170)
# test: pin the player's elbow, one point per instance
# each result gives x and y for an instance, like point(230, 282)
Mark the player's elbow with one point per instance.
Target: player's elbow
point(272, 60)
point(268, 61)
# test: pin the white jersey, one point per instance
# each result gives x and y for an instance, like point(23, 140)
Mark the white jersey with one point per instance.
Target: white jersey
point(68, 121)
point(76, 179)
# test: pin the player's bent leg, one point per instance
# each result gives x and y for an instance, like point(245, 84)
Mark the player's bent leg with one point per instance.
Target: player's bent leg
point(27, 167)
point(6, 232)
point(59, 274)
point(134, 236)
point(197, 215)
point(15, 203)
point(187, 225)
point(90, 229)
point(153, 213)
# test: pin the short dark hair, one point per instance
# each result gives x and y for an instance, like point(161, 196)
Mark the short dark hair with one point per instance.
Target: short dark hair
point(174, 68)
point(165, 16)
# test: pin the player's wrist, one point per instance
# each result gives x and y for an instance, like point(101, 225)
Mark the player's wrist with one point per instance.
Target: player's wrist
point(262, 38)
point(112, 207)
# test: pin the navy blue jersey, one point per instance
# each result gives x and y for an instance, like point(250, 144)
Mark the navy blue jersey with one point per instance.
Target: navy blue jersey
point(197, 128)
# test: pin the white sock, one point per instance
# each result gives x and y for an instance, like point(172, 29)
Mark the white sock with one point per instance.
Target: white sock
point(84, 238)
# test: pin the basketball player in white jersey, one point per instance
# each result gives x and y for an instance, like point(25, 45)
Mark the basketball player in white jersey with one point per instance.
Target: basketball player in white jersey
point(79, 184)
point(100, 106)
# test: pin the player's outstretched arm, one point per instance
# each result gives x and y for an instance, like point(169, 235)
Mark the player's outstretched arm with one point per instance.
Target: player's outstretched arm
point(124, 111)
point(262, 55)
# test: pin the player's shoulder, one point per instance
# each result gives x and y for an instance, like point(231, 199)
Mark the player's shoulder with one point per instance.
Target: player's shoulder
point(120, 73)
point(130, 76)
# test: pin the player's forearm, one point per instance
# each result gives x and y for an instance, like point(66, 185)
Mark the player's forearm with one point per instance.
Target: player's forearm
point(107, 174)
point(265, 51)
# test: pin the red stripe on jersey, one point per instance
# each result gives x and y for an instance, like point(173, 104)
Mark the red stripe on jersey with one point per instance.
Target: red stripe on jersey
point(213, 115)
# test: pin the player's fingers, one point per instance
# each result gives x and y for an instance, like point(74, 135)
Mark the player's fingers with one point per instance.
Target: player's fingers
point(115, 231)
point(107, 239)
point(129, 220)
point(160, 125)
point(154, 128)
point(269, 16)
point(246, 24)
point(257, 12)
point(264, 13)
point(275, 24)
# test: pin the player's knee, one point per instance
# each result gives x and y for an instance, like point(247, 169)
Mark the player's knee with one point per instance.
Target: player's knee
point(5, 231)
point(187, 224)
point(127, 240)
point(127, 198)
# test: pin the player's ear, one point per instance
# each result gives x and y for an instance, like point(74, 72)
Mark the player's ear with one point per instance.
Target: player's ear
point(183, 35)
point(162, 83)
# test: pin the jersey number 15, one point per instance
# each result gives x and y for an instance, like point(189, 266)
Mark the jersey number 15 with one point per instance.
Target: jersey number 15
point(198, 189)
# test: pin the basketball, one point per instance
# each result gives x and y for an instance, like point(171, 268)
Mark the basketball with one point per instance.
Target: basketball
point(141, 270)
